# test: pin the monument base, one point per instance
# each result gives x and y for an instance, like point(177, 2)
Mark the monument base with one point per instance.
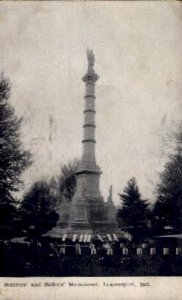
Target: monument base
point(86, 217)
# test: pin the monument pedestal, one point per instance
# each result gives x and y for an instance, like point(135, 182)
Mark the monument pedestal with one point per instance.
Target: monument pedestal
point(92, 215)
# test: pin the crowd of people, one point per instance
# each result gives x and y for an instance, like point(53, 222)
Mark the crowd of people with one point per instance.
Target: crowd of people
point(46, 257)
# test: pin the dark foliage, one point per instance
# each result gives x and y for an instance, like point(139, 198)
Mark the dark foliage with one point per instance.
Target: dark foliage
point(13, 160)
point(168, 207)
point(37, 210)
point(134, 211)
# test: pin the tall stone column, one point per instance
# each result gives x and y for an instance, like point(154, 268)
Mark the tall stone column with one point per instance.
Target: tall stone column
point(88, 157)
point(88, 174)
point(87, 212)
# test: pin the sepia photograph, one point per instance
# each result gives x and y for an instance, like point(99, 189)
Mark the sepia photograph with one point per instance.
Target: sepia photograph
point(90, 141)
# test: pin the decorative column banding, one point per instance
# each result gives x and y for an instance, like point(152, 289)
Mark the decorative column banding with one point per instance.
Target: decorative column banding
point(89, 113)
point(88, 173)
point(89, 110)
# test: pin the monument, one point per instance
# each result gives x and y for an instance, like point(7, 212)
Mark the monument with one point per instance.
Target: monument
point(88, 212)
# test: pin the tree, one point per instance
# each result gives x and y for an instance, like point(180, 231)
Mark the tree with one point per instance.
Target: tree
point(38, 210)
point(13, 159)
point(67, 179)
point(134, 211)
point(168, 207)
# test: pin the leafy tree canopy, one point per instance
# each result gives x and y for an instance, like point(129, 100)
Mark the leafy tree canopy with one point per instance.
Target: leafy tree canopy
point(38, 213)
point(13, 159)
point(168, 207)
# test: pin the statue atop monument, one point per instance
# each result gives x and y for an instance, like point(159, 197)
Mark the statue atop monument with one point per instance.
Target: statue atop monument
point(91, 59)
point(90, 76)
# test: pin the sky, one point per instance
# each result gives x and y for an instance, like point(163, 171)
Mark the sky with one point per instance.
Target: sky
point(137, 47)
